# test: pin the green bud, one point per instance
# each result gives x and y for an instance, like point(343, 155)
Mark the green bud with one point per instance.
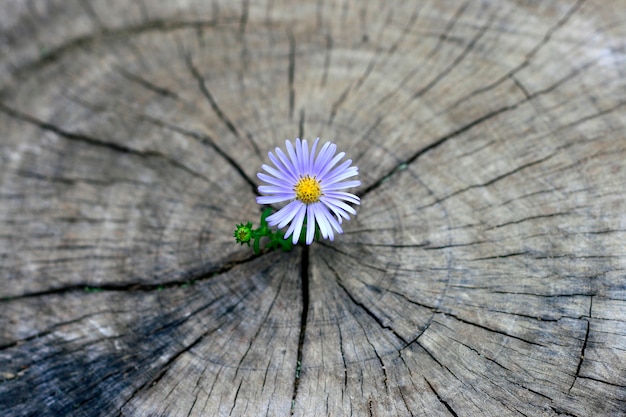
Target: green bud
point(243, 233)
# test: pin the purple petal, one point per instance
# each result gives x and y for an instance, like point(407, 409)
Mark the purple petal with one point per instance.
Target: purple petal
point(340, 173)
point(273, 189)
point(339, 204)
point(299, 156)
point(327, 152)
point(322, 220)
point(292, 155)
point(274, 181)
point(283, 158)
point(335, 224)
point(277, 198)
point(310, 224)
point(312, 157)
point(342, 185)
point(296, 225)
point(304, 157)
point(284, 215)
point(337, 211)
point(342, 195)
point(331, 164)
point(273, 171)
point(286, 170)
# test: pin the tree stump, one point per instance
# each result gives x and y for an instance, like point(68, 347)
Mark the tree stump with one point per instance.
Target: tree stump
point(483, 275)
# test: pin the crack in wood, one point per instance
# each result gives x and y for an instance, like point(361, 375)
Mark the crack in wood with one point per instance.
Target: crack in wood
point(137, 79)
point(573, 294)
point(245, 11)
point(363, 307)
point(352, 256)
point(337, 104)
point(79, 180)
point(433, 145)
point(301, 124)
point(368, 70)
point(291, 70)
point(407, 28)
point(493, 330)
point(80, 42)
point(77, 137)
point(404, 296)
point(204, 89)
point(91, 13)
point(561, 23)
point(602, 381)
point(380, 360)
point(235, 399)
point(189, 279)
point(432, 53)
point(470, 125)
point(343, 357)
point(440, 399)
point(456, 245)
point(258, 331)
point(582, 351)
point(327, 57)
point(491, 181)
point(408, 409)
point(53, 328)
point(527, 316)
point(560, 412)
point(163, 369)
point(480, 355)
point(581, 357)
point(175, 323)
point(441, 75)
point(193, 404)
point(207, 141)
point(499, 256)
point(304, 279)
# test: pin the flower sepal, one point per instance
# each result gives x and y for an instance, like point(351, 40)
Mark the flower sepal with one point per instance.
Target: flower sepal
point(243, 233)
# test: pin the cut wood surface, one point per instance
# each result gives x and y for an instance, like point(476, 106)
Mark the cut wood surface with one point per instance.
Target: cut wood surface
point(484, 274)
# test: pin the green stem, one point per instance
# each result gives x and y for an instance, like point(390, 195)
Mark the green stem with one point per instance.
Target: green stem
point(275, 240)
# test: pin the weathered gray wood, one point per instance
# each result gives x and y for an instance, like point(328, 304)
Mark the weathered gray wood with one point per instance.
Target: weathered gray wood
point(483, 275)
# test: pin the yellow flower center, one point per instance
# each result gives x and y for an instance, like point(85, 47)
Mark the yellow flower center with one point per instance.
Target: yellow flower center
point(308, 190)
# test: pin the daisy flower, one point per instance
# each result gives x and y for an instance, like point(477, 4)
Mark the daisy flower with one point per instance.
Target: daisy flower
point(314, 187)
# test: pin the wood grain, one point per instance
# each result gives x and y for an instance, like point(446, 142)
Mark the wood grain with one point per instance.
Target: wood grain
point(483, 275)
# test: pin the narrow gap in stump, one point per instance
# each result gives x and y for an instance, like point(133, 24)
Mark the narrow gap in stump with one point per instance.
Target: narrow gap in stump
point(77, 43)
point(367, 310)
point(582, 352)
point(304, 276)
point(212, 102)
point(145, 83)
point(245, 6)
point(93, 16)
point(441, 75)
point(204, 89)
point(78, 137)
point(329, 47)
point(136, 286)
point(301, 125)
point(402, 165)
point(291, 72)
point(529, 56)
point(441, 400)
